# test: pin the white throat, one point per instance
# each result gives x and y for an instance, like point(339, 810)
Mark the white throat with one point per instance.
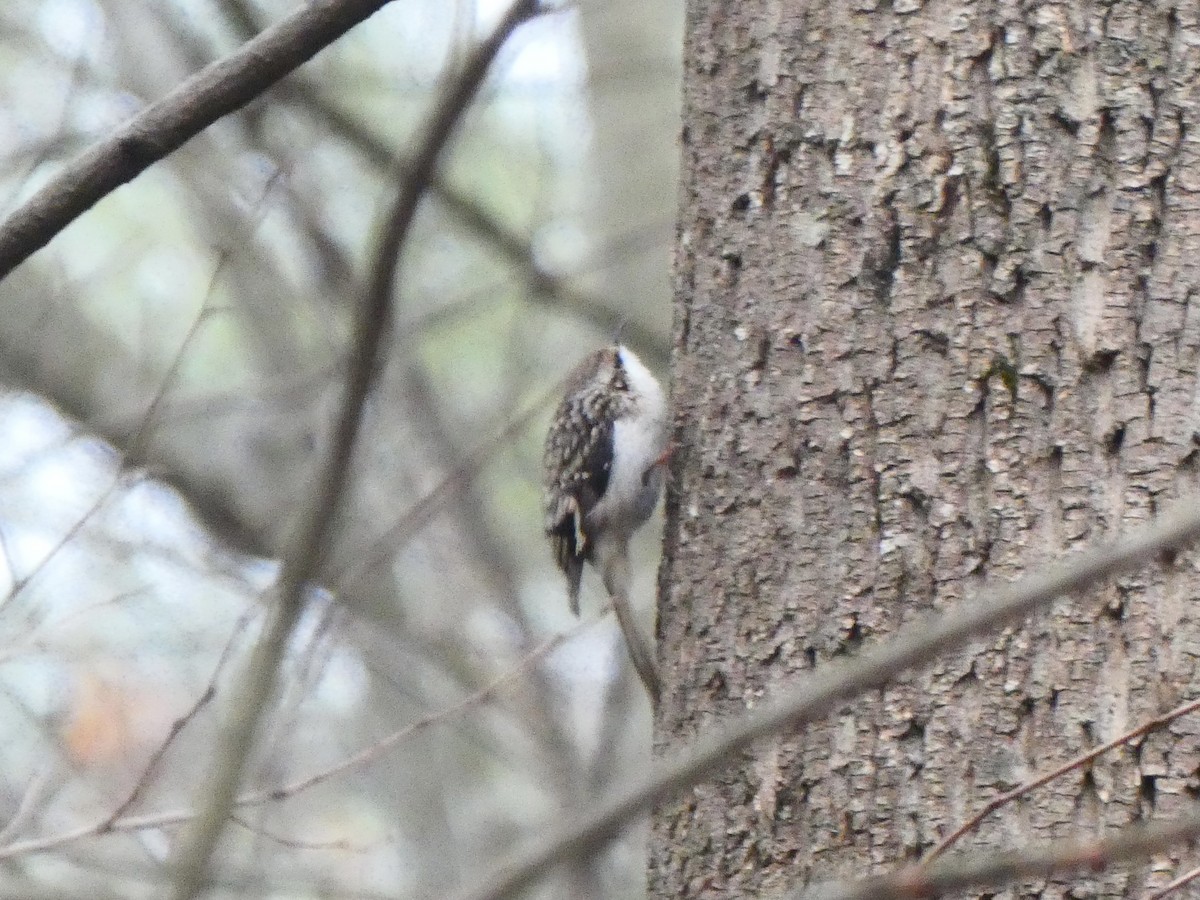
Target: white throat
point(639, 438)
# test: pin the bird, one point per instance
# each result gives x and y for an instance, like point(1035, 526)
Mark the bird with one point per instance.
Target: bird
point(603, 471)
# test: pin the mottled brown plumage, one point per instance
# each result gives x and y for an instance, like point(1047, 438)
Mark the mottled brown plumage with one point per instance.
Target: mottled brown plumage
point(600, 472)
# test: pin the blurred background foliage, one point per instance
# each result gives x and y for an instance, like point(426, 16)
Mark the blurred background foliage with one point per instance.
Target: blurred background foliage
point(170, 365)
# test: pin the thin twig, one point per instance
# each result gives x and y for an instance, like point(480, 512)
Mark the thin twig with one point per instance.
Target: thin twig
point(1129, 844)
point(32, 639)
point(296, 844)
point(136, 450)
point(305, 561)
point(9, 562)
point(29, 799)
point(1182, 881)
point(24, 581)
point(122, 477)
point(1080, 760)
point(545, 287)
point(414, 519)
point(165, 819)
point(380, 747)
point(177, 727)
point(819, 693)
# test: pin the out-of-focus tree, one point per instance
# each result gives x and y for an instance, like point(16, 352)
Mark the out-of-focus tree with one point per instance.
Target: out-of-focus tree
point(174, 360)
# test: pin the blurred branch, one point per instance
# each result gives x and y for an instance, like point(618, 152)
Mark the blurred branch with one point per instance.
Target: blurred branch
point(1080, 760)
point(31, 801)
point(515, 248)
point(509, 243)
point(82, 391)
point(151, 769)
point(54, 349)
point(21, 583)
point(1182, 881)
point(136, 448)
point(1038, 861)
point(414, 519)
point(819, 693)
point(294, 844)
point(306, 559)
point(369, 754)
point(121, 823)
point(122, 479)
point(213, 92)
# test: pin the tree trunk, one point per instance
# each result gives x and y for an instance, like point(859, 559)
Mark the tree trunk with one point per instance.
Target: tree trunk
point(935, 327)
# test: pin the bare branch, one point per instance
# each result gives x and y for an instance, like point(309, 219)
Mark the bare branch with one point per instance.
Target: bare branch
point(20, 584)
point(414, 519)
point(215, 91)
point(369, 754)
point(819, 694)
point(33, 795)
point(358, 759)
point(305, 560)
point(1182, 881)
point(1040, 861)
point(1080, 760)
point(177, 727)
point(296, 844)
point(544, 287)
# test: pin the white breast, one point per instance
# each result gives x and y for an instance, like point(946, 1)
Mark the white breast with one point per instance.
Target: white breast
point(638, 441)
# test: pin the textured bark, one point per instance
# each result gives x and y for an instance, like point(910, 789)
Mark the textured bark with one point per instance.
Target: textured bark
point(935, 326)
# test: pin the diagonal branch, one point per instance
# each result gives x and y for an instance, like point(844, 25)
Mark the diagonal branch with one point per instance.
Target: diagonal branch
point(1129, 844)
point(545, 287)
point(304, 561)
point(820, 693)
point(213, 92)
point(1182, 881)
point(1078, 762)
point(120, 822)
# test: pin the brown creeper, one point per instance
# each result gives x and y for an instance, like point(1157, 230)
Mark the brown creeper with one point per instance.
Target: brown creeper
point(603, 474)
